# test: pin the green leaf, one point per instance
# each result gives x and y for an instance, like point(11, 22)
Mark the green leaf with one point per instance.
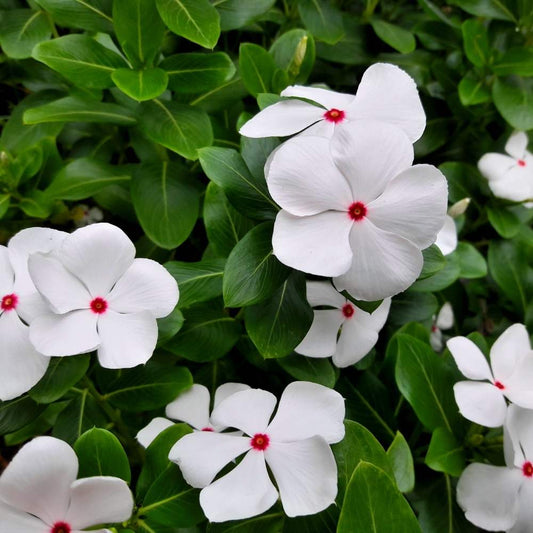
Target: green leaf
point(464, 181)
point(166, 202)
point(294, 52)
point(412, 306)
point(16, 413)
point(473, 91)
point(92, 15)
point(37, 204)
point(238, 13)
point(476, 42)
point(82, 60)
point(196, 20)
point(442, 279)
point(471, 263)
point(21, 30)
point(141, 85)
point(373, 504)
point(178, 127)
point(255, 153)
point(513, 97)
point(5, 200)
point(515, 61)
point(322, 19)
point(445, 453)
point(433, 261)
point(505, 222)
point(277, 325)
point(266, 523)
point(101, 454)
point(196, 73)
point(397, 37)
point(169, 325)
point(256, 67)
point(401, 459)
point(497, 9)
point(311, 369)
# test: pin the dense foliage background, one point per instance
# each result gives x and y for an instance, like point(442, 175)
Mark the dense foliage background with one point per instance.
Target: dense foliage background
point(134, 105)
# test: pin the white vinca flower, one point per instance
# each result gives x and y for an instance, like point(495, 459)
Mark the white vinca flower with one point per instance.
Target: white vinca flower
point(499, 498)
point(510, 176)
point(83, 215)
point(101, 298)
point(22, 365)
point(192, 407)
point(511, 376)
point(358, 329)
point(386, 94)
point(294, 445)
point(39, 492)
point(444, 320)
point(354, 208)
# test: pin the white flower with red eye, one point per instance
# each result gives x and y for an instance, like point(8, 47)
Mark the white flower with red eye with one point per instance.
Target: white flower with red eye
point(444, 320)
point(511, 376)
point(499, 498)
point(294, 445)
point(358, 329)
point(22, 366)
point(101, 298)
point(354, 208)
point(510, 176)
point(386, 94)
point(192, 407)
point(83, 215)
point(39, 492)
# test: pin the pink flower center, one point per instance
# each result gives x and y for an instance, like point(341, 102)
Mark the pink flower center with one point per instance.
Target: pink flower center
point(521, 163)
point(260, 441)
point(348, 310)
point(60, 527)
point(527, 469)
point(99, 306)
point(434, 328)
point(334, 115)
point(357, 211)
point(207, 429)
point(499, 385)
point(9, 302)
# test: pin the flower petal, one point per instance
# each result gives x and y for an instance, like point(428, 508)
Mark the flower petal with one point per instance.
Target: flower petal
point(14, 521)
point(62, 335)
point(376, 320)
point(519, 435)
point(383, 264)
point(245, 492)
point(321, 339)
point(495, 166)
point(306, 474)
point(518, 387)
point(481, 403)
point(323, 293)
point(510, 347)
point(445, 316)
point(201, 455)
point(469, 359)
point(318, 244)
point(355, 341)
point(387, 93)
point(303, 179)
point(488, 495)
point(99, 500)
point(516, 184)
point(227, 389)
point(435, 339)
point(7, 275)
point(22, 366)
point(525, 509)
point(307, 409)
point(191, 406)
point(38, 478)
point(149, 432)
point(325, 97)
point(517, 144)
point(127, 340)
point(145, 286)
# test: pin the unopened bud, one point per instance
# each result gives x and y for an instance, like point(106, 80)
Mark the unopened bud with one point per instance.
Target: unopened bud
point(298, 57)
point(458, 208)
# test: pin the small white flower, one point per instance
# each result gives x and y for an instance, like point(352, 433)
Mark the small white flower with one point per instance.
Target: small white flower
point(447, 236)
point(39, 492)
point(386, 94)
point(101, 298)
point(192, 407)
point(444, 320)
point(510, 176)
point(511, 376)
point(83, 215)
point(295, 445)
point(358, 329)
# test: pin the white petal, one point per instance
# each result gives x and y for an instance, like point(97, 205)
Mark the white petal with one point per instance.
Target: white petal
point(145, 286)
point(249, 410)
point(378, 318)
point(306, 474)
point(469, 359)
point(323, 293)
point(413, 205)
point(148, 433)
point(519, 435)
point(22, 366)
point(191, 406)
point(525, 509)
point(281, 119)
point(518, 386)
point(62, 335)
point(303, 179)
point(435, 339)
point(516, 185)
point(355, 341)
point(201, 455)
point(369, 155)
point(325, 97)
point(227, 389)
point(517, 144)
point(14, 521)
point(447, 237)
point(38, 478)
point(488, 495)
point(495, 166)
point(445, 316)
point(127, 340)
point(98, 255)
point(481, 403)
point(245, 492)
point(318, 244)
point(322, 128)
point(383, 264)
point(321, 339)
point(307, 409)
point(31, 305)
point(389, 94)
point(7, 275)
point(508, 350)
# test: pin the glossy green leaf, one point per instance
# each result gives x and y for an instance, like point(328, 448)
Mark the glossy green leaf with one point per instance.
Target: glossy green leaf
point(294, 52)
point(441, 279)
point(21, 30)
point(256, 67)
point(37, 204)
point(513, 97)
point(515, 61)
point(445, 453)
point(238, 13)
point(312, 369)
point(498, 9)
point(169, 325)
point(473, 91)
point(265, 523)
point(471, 263)
point(505, 222)
point(93, 15)
point(322, 19)
point(5, 200)
point(141, 85)
point(412, 306)
point(397, 37)
point(255, 153)
point(401, 459)
point(433, 261)
point(16, 413)
point(476, 42)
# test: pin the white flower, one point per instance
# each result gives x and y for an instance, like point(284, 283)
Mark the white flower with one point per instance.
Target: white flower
point(510, 176)
point(354, 208)
point(39, 492)
point(447, 236)
point(83, 215)
point(358, 329)
point(192, 406)
point(386, 94)
point(499, 498)
point(22, 366)
point(511, 376)
point(444, 320)
point(295, 445)
point(100, 297)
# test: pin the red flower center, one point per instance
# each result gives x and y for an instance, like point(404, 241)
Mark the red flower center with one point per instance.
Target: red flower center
point(9, 302)
point(99, 306)
point(434, 328)
point(207, 429)
point(260, 441)
point(527, 469)
point(357, 211)
point(60, 527)
point(499, 385)
point(334, 115)
point(348, 310)
point(521, 163)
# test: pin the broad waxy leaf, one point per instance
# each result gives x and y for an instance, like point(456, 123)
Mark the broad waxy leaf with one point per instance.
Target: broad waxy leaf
point(506, 223)
point(237, 13)
point(312, 369)
point(256, 67)
point(445, 453)
point(411, 306)
point(21, 30)
point(476, 42)
point(322, 19)
point(265, 523)
point(486, 8)
point(294, 52)
point(471, 263)
point(141, 85)
point(433, 261)
point(441, 279)
point(93, 15)
point(16, 413)
point(513, 97)
point(472, 91)
point(399, 38)
point(255, 153)
point(401, 459)
point(169, 325)
point(518, 61)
